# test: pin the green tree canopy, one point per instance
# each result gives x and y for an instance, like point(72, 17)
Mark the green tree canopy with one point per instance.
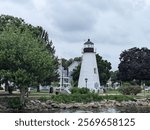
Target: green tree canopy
point(75, 75)
point(104, 68)
point(66, 63)
point(114, 76)
point(134, 64)
point(37, 33)
point(24, 59)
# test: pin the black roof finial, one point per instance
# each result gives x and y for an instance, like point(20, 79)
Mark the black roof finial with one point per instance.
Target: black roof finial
point(88, 42)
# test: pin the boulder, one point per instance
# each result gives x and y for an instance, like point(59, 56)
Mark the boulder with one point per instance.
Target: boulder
point(49, 102)
point(55, 105)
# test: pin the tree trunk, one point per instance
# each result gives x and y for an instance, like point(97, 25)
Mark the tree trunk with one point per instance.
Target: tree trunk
point(6, 88)
point(38, 88)
point(22, 95)
point(10, 89)
point(6, 85)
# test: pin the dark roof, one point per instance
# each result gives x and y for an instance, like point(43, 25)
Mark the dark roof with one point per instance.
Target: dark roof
point(88, 42)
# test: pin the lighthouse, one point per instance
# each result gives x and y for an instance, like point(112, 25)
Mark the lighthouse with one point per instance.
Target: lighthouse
point(89, 77)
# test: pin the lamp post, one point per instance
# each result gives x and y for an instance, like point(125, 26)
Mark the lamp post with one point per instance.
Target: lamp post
point(86, 79)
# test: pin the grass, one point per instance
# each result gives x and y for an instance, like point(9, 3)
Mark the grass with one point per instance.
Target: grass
point(45, 94)
point(113, 92)
point(39, 94)
point(143, 94)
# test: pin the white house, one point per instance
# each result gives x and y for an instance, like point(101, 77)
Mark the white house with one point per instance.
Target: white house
point(65, 75)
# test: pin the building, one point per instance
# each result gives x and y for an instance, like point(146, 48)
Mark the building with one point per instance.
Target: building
point(65, 75)
point(89, 76)
point(71, 68)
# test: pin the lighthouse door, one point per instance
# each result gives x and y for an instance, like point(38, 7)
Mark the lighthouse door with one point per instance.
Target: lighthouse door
point(96, 85)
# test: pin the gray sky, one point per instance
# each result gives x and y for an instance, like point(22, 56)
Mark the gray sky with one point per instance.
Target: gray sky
point(113, 25)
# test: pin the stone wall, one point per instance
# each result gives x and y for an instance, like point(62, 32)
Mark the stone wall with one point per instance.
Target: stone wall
point(34, 105)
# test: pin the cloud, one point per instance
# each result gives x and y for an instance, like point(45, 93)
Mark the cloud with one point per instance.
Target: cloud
point(73, 16)
point(113, 25)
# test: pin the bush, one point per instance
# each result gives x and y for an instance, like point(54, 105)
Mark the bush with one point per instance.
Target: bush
point(119, 98)
point(62, 98)
point(80, 90)
point(14, 103)
point(130, 90)
point(136, 90)
point(90, 97)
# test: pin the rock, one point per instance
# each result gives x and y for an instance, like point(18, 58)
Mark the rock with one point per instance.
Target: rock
point(43, 105)
point(49, 102)
point(2, 107)
point(55, 105)
point(118, 104)
point(142, 103)
point(62, 106)
point(37, 101)
point(103, 102)
point(33, 102)
point(76, 105)
point(94, 105)
point(68, 106)
point(49, 106)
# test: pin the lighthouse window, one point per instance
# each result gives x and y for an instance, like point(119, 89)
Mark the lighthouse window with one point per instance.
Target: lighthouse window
point(94, 70)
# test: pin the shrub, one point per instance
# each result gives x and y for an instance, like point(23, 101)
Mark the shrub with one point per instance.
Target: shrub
point(80, 90)
point(136, 90)
point(14, 103)
point(76, 98)
point(130, 90)
point(90, 97)
point(119, 98)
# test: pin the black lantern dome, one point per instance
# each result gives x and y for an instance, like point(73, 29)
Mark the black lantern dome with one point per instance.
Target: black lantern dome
point(88, 46)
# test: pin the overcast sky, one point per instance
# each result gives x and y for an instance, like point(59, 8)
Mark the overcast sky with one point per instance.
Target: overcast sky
point(113, 25)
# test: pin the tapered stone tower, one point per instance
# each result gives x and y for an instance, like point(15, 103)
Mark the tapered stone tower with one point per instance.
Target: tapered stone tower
point(89, 77)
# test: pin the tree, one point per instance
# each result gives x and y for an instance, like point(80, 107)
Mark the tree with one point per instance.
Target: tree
point(5, 22)
point(38, 33)
point(23, 59)
point(75, 75)
point(66, 63)
point(104, 68)
point(114, 76)
point(134, 64)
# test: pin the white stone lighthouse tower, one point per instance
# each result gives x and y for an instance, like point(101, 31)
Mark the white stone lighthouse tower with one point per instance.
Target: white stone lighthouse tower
point(89, 77)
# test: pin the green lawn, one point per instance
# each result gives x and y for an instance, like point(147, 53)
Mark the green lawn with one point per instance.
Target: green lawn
point(33, 93)
point(143, 94)
point(113, 92)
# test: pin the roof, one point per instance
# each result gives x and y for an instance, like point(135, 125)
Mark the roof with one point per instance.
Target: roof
point(74, 63)
point(88, 42)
